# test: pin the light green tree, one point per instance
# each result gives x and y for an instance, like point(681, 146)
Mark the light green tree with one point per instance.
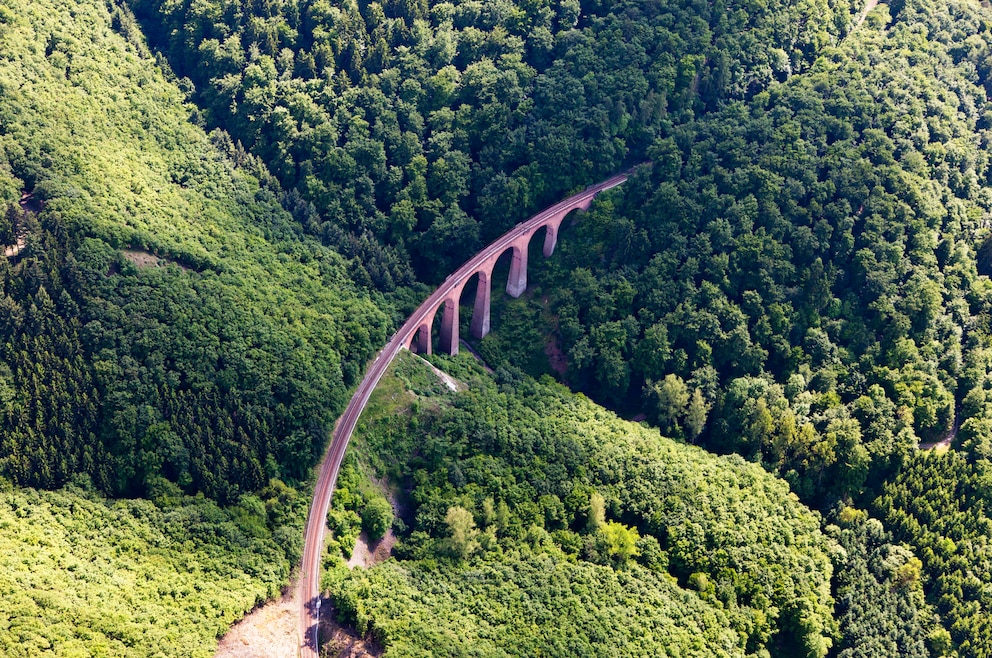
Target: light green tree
point(377, 516)
point(669, 397)
point(620, 541)
point(597, 512)
point(695, 415)
point(464, 536)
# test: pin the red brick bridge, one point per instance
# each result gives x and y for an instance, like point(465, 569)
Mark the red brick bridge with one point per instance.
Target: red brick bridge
point(416, 333)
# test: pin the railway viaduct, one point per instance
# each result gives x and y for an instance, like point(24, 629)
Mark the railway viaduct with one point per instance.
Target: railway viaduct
point(416, 333)
point(518, 240)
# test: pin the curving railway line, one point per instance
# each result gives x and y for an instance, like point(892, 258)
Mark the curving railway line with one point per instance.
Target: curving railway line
point(418, 325)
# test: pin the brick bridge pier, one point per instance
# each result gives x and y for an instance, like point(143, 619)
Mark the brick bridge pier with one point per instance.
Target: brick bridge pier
point(518, 240)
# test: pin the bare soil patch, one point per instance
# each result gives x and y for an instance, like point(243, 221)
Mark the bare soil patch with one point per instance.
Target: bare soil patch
point(29, 203)
point(15, 249)
point(942, 446)
point(342, 642)
point(939, 447)
point(143, 259)
point(269, 631)
point(367, 554)
point(272, 631)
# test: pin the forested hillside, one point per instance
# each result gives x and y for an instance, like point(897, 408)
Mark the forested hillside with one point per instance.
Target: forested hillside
point(81, 576)
point(537, 523)
point(431, 127)
point(941, 504)
point(216, 371)
point(213, 213)
point(165, 328)
point(800, 278)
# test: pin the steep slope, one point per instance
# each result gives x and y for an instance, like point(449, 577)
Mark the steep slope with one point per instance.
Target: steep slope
point(218, 370)
point(940, 504)
point(86, 577)
point(803, 279)
point(807, 271)
point(431, 127)
point(536, 522)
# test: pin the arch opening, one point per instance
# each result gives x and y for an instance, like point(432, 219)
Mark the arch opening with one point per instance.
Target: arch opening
point(420, 343)
point(554, 226)
point(478, 288)
point(439, 333)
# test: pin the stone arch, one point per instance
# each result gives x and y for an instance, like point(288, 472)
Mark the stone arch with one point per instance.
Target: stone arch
point(420, 339)
point(480, 323)
point(553, 225)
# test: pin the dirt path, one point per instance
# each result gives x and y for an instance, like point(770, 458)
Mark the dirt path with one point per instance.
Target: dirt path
point(13, 250)
point(29, 204)
point(945, 443)
point(938, 446)
point(869, 5)
point(342, 642)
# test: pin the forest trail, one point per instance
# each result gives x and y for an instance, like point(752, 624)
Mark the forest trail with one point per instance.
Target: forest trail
point(29, 204)
point(939, 447)
point(14, 249)
point(944, 444)
point(869, 5)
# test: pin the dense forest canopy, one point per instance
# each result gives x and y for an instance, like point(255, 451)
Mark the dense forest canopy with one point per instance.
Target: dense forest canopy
point(801, 278)
point(940, 505)
point(217, 371)
point(802, 271)
point(431, 127)
point(83, 576)
point(798, 276)
point(521, 497)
